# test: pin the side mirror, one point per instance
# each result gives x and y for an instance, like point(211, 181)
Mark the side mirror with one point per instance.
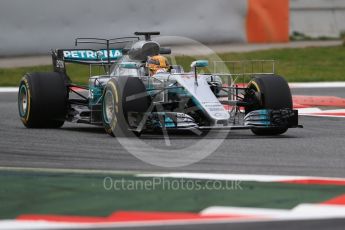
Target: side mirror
point(128, 65)
point(199, 63)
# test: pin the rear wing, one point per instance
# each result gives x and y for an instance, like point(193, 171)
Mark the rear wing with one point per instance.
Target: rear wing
point(105, 56)
point(84, 56)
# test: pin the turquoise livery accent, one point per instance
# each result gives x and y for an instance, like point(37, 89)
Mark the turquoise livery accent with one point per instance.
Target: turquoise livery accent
point(128, 65)
point(199, 63)
point(169, 123)
point(95, 95)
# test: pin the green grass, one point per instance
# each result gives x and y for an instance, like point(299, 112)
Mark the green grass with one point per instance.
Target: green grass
point(24, 192)
point(302, 65)
point(297, 65)
point(78, 73)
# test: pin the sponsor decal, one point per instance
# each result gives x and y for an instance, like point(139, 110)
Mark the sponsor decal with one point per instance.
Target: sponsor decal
point(88, 55)
point(60, 64)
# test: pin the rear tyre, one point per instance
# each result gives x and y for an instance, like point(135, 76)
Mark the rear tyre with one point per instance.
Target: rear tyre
point(123, 98)
point(42, 100)
point(272, 92)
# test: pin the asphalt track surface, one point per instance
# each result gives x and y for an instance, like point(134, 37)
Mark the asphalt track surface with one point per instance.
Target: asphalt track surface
point(316, 150)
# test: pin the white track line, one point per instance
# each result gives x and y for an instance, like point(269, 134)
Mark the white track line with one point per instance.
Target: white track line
point(209, 176)
point(237, 177)
point(338, 84)
point(35, 225)
point(316, 112)
point(310, 110)
point(301, 211)
point(320, 115)
point(8, 89)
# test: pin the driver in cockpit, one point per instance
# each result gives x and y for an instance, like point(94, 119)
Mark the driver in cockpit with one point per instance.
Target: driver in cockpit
point(157, 64)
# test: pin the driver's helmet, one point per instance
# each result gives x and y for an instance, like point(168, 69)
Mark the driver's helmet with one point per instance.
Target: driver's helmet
point(157, 64)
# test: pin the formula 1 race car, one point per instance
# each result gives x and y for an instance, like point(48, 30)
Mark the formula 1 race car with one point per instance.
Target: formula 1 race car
point(128, 100)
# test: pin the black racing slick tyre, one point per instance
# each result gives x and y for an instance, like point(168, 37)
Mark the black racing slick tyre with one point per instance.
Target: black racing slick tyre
point(42, 100)
point(272, 92)
point(124, 98)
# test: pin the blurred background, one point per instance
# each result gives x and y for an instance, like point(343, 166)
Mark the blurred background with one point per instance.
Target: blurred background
point(35, 26)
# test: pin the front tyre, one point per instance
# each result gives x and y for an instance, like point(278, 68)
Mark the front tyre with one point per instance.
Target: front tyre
point(110, 113)
point(124, 99)
point(271, 92)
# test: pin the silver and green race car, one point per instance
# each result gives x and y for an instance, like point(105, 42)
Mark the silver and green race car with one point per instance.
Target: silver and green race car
point(127, 100)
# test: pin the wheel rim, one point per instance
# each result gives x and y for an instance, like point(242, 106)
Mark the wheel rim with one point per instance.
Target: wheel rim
point(23, 100)
point(109, 107)
point(254, 86)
